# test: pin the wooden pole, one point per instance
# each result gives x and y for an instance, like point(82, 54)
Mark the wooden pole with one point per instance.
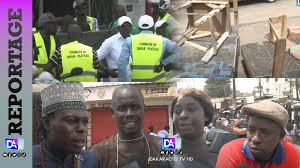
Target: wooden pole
point(278, 63)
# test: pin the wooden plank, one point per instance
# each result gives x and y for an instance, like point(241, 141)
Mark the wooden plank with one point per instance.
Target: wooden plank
point(213, 37)
point(279, 58)
point(200, 35)
point(197, 46)
point(236, 12)
point(283, 26)
point(273, 31)
point(210, 52)
point(213, 6)
point(186, 35)
point(275, 20)
point(209, 14)
point(185, 5)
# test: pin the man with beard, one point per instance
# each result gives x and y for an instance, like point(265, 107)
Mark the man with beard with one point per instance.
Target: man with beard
point(44, 41)
point(264, 146)
point(130, 147)
point(65, 122)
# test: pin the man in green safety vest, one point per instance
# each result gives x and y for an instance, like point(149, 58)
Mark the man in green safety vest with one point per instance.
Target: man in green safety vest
point(148, 53)
point(44, 41)
point(75, 59)
point(87, 23)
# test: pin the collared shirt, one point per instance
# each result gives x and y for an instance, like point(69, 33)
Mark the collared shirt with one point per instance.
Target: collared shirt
point(169, 47)
point(277, 157)
point(285, 155)
point(111, 51)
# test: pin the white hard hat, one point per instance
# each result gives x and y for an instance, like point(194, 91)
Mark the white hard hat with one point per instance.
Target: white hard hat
point(146, 22)
point(124, 19)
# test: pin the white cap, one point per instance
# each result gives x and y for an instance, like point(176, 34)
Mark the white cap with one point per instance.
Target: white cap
point(146, 22)
point(159, 23)
point(123, 19)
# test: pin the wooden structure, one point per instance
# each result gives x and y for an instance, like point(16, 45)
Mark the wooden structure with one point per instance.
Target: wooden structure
point(206, 18)
point(279, 39)
point(272, 58)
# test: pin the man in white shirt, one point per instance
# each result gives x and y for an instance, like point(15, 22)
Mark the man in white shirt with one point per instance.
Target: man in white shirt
point(111, 48)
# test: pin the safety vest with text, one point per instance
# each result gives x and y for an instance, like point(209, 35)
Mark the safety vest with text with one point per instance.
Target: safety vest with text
point(80, 56)
point(146, 53)
point(43, 57)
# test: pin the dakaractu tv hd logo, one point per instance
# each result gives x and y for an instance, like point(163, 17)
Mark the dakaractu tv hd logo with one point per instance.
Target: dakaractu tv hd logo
point(14, 143)
point(13, 146)
point(298, 2)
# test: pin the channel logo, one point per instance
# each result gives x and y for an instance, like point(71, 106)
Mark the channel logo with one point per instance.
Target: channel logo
point(14, 143)
point(298, 2)
point(168, 143)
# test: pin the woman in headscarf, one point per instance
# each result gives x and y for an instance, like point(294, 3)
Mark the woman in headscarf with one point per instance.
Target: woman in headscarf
point(191, 110)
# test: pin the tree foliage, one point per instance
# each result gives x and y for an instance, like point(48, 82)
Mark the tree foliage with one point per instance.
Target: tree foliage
point(218, 87)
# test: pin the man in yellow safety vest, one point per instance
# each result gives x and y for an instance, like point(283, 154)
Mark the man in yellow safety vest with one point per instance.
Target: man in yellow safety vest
point(148, 53)
point(75, 59)
point(44, 41)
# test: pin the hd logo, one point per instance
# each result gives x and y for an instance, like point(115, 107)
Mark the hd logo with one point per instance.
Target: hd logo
point(14, 143)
